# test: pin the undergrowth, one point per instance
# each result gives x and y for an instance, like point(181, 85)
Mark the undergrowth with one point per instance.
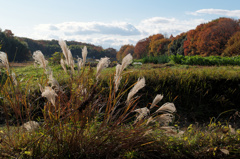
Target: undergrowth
point(90, 116)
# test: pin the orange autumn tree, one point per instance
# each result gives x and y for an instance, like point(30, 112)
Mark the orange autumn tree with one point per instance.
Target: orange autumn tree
point(233, 45)
point(124, 50)
point(157, 45)
point(141, 48)
point(210, 38)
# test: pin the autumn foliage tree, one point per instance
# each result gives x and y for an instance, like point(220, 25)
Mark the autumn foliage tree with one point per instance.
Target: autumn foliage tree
point(156, 44)
point(141, 48)
point(210, 38)
point(233, 45)
point(124, 50)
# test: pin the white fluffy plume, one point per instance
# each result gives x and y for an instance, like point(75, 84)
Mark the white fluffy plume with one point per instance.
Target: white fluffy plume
point(167, 108)
point(50, 94)
point(67, 54)
point(54, 83)
point(117, 77)
point(157, 99)
point(139, 85)
point(119, 69)
point(40, 59)
point(142, 113)
point(163, 119)
point(126, 61)
point(79, 64)
point(84, 55)
point(4, 60)
point(62, 62)
point(103, 63)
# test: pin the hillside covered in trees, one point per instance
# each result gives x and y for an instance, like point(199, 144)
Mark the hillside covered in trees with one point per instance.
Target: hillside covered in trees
point(219, 37)
point(21, 49)
point(49, 47)
point(16, 49)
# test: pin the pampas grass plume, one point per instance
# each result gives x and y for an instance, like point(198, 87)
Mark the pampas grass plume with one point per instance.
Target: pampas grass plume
point(119, 69)
point(139, 85)
point(67, 53)
point(103, 63)
point(142, 113)
point(50, 94)
point(4, 60)
point(79, 64)
point(126, 61)
point(40, 59)
point(157, 99)
point(84, 55)
point(62, 62)
point(54, 83)
point(167, 107)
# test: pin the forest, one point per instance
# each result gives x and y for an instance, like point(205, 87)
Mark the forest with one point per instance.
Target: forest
point(20, 49)
point(219, 37)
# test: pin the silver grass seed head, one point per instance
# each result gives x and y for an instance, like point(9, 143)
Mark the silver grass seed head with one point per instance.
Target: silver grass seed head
point(164, 119)
point(50, 94)
point(117, 77)
point(67, 54)
point(84, 55)
point(4, 60)
point(40, 59)
point(54, 83)
point(103, 63)
point(139, 85)
point(142, 113)
point(127, 60)
point(157, 99)
point(65, 50)
point(79, 64)
point(62, 62)
point(166, 108)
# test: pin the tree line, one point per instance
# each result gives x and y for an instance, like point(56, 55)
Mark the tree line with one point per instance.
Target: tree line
point(219, 37)
point(20, 49)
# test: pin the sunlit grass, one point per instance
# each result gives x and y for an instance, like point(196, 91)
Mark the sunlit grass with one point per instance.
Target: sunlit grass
point(97, 123)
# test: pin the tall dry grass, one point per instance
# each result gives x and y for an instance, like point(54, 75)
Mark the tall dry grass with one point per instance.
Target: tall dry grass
point(77, 120)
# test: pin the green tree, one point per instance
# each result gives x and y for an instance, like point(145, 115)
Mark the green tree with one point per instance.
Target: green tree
point(15, 49)
point(176, 45)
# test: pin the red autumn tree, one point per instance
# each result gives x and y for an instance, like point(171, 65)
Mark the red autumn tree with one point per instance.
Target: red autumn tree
point(233, 45)
point(210, 38)
point(124, 50)
point(141, 48)
point(154, 45)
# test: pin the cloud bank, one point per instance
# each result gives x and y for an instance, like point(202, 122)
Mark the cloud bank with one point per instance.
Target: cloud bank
point(221, 12)
point(117, 33)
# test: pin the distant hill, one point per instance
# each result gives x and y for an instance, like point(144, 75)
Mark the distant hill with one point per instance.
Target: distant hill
point(16, 50)
point(49, 47)
point(20, 49)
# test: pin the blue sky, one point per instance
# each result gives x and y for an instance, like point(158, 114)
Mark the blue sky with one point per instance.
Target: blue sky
point(109, 23)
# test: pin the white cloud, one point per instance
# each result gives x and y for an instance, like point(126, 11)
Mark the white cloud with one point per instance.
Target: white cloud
point(114, 34)
point(221, 12)
point(88, 28)
point(169, 26)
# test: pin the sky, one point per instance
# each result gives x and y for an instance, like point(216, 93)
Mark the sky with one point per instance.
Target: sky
point(109, 23)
